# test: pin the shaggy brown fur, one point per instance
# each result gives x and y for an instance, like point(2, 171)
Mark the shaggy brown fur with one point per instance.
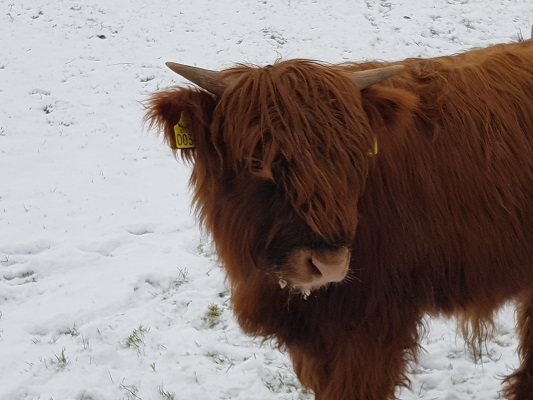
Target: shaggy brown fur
point(440, 221)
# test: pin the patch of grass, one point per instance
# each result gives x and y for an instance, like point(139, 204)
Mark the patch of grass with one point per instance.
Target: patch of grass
point(165, 394)
point(60, 361)
point(131, 391)
point(181, 278)
point(86, 343)
point(220, 359)
point(136, 339)
point(520, 36)
point(168, 290)
point(283, 381)
point(212, 315)
point(71, 331)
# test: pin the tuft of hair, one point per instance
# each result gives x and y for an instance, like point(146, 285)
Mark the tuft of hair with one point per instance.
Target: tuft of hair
point(477, 329)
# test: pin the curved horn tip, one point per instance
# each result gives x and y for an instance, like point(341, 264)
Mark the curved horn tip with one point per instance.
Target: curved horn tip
point(365, 78)
point(206, 79)
point(173, 66)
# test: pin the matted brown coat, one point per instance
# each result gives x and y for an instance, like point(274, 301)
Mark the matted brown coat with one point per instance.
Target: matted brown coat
point(344, 213)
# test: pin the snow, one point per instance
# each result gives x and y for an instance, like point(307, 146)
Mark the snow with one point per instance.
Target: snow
point(108, 289)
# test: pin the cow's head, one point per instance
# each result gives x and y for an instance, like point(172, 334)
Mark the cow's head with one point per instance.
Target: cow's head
point(280, 157)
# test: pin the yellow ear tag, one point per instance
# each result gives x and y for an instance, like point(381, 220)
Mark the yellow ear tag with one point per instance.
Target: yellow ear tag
point(183, 138)
point(374, 151)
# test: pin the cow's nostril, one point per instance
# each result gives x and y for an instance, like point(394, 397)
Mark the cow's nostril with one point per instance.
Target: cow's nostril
point(333, 267)
point(313, 268)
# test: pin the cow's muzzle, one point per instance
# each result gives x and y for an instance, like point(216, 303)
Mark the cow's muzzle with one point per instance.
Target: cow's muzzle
point(309, 269)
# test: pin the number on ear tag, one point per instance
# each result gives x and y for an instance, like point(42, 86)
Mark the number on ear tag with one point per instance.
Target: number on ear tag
point(183, 138)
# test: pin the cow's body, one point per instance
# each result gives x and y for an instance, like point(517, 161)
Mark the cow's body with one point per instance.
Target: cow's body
point(439, 221)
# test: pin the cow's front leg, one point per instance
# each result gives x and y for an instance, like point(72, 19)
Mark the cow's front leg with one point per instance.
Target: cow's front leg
point(519, 385)
point(356, 366)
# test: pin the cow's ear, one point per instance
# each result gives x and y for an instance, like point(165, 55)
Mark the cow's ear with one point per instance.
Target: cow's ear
point(183, 115)
point(388, 108)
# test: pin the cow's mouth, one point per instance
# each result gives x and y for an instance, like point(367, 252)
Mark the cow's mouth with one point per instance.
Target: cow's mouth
point(308, 269)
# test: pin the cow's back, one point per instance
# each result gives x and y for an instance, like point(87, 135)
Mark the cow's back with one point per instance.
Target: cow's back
point(453, 197)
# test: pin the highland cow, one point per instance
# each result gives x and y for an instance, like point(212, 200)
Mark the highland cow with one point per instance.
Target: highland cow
point(348, 201)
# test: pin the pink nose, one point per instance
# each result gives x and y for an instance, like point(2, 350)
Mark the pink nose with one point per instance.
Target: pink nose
point(330, 266)
point(309, 269)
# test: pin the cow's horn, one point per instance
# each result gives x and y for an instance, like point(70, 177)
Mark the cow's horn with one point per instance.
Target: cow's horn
point(206, 79)
point(369, 77)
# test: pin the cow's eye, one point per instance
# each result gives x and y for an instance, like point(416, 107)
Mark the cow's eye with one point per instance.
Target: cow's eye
point(256, 165)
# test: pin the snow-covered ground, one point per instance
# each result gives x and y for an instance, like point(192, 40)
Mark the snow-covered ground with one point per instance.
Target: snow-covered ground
point(108, 290)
